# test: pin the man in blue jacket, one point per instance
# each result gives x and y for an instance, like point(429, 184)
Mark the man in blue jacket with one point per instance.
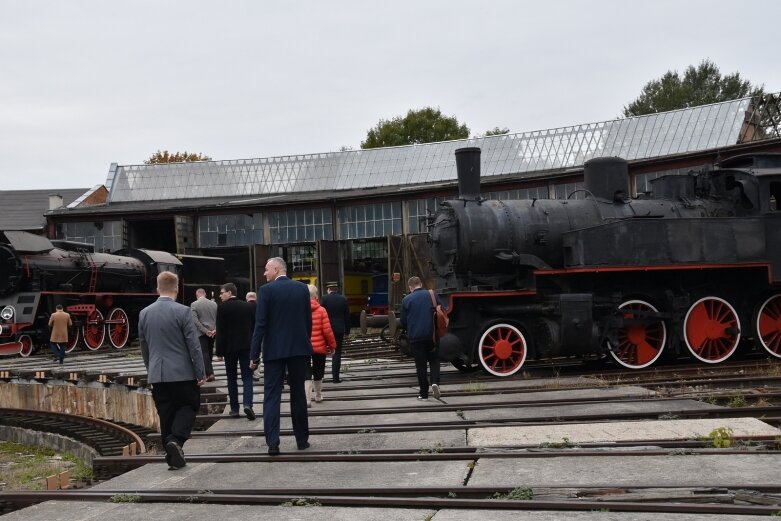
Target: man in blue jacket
point(283, 331)
point(417, 317)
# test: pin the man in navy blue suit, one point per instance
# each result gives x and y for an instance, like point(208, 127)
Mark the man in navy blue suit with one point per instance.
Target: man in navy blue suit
point(283, 329)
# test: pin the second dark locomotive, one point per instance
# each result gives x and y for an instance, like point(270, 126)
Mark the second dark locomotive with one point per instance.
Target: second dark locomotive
point(694, 267)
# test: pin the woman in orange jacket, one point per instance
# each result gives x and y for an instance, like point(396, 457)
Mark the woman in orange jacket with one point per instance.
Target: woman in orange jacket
point(323, 343)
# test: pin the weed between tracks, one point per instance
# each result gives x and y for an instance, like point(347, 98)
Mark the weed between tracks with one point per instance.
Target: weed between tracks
point(517, 494)
point(125, 498)
point(25, 467)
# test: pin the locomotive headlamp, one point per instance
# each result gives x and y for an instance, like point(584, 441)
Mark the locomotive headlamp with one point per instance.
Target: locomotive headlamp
point(7, 313)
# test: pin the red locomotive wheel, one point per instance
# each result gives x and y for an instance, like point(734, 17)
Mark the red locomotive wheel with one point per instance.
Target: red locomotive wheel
point(27, 346)
point(711, 330)
point(502, 349)
point(641, 344)
point(94, 331)
point(73, 338)
point(118, 328)
point(768, 325)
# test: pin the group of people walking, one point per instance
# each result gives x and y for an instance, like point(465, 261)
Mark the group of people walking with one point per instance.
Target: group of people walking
point(284, 323)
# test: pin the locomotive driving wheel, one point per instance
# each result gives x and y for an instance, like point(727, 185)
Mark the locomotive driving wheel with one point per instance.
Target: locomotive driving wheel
point(73, 338)
point(118, 327)
point(502, 349)
point(711, 330)
point(640, 342)
point(768, 325)
point(27, 346)
point(93, 330)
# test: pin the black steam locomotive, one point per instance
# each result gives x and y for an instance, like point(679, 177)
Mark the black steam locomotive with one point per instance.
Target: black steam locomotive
point(104, 293)
point(694, 266)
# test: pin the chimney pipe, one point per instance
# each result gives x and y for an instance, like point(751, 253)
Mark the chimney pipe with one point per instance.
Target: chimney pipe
point(468, 168)
point(55, 201)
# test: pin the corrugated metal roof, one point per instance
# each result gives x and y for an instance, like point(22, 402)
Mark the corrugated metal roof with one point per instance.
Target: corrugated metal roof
point(24, 209)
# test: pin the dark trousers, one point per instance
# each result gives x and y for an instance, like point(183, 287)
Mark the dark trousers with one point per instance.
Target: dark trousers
point(273, 373)
point(336, 359)
point(207, 349)
point(425, 353)
point(177, 404)
point(240, 358)
point(317, 371)
point(58, 350)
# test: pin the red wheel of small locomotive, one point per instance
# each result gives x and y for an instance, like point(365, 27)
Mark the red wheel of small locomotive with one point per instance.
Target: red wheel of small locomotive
point(27, 346)
point(94, 330)
point(639, 345)
point(73, 338)
point(502, 349)
point(711, 330)
point(118, 327)
point(768, 325)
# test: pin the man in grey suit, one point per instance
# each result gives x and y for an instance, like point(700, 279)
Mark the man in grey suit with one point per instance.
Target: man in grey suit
point(205, 318)
point(283, 331)
point(174, 366)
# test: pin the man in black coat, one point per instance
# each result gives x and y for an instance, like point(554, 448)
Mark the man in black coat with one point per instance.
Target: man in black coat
point(234, 335)
point(339, 315)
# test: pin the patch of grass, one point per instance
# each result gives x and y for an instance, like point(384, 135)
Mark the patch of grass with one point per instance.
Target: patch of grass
point(125, 498)
point(737, 401)
point(565, 443)
point(669, 416)
point(517, 494)
point(476, 387)
point(302, 502)
point(367, 431)
point(25, 467)
point(452, 494)
point(460, 414)
point(721, 438)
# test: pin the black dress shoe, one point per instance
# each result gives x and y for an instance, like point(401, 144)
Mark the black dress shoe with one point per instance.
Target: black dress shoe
point(234, 414)
point(337, 380)
point(250, 413)
point(273, 450)
point(303, 446)
point(175, 455)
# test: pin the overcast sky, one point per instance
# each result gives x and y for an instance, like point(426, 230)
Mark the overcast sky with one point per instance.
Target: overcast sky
point(84, 84)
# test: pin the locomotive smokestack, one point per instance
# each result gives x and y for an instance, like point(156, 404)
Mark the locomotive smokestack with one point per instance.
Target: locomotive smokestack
point(607, 178)
point(468, 168)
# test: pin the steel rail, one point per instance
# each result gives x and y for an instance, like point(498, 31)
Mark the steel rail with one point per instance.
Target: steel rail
point(431, 503)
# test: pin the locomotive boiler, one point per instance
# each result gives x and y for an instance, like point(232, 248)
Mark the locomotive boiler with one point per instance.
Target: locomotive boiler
point(694, 267)
point(104, 293)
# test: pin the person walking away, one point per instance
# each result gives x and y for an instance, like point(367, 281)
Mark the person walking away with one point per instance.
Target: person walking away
point(339, 315)
point(205, 317)
point(174, 365)
point(323, 343)
point(417, 317)
point(283, 327)
point(60, 322)
point(252, 299)
point(234, 334)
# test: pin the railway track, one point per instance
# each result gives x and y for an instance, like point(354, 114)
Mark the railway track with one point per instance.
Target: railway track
point(376, 405)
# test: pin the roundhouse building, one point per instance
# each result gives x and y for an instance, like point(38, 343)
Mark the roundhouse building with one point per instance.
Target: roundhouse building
point(359, 216)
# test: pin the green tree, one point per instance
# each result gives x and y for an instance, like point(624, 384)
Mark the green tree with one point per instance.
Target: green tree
point(699, 85)
point(177, 157)
point(496, 131)
point(426, 125)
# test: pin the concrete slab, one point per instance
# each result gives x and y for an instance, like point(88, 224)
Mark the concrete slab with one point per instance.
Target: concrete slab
point(536, 515)
point(335, 442)
point(616, 431)
point(88, 511)
point(283, 474)
point(708, 470)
